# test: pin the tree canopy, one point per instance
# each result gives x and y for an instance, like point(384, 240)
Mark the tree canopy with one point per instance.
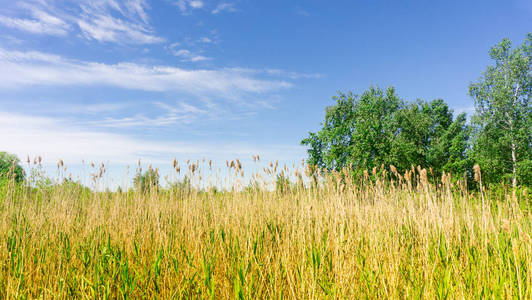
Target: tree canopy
point(502, 144)
point(378, 128)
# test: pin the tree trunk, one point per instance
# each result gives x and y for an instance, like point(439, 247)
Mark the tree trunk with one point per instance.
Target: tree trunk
point(514, 158)
point(514, 166)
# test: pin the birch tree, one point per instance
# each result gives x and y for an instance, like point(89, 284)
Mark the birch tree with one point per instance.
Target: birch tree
point(503, 118)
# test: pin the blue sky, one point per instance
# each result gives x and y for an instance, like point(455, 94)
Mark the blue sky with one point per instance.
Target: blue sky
point(115, 81)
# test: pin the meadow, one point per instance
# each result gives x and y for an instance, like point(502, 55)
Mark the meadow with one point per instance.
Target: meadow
point(383, 235)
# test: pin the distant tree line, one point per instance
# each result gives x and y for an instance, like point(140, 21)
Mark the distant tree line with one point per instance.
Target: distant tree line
point(378, 128)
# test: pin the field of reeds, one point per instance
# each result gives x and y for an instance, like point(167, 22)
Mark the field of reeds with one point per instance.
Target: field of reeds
point(381, 236)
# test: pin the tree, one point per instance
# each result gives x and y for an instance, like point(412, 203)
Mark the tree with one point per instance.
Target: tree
point(357, 131)
point(330, 147)
point(375, 128)
point(10, 166)
point(378, 128)
point(411, 140)
point(503, 119)
point(428, 136)
point(147, 181)
point(452, 147)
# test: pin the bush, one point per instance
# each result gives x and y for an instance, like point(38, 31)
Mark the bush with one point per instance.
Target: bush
point(10, 167)
point(147, 181)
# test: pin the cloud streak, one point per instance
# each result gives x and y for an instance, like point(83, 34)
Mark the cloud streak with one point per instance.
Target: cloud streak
point(183, 113)
point(105, 28)
point(41, 23)
point(98, 21)
point(18, 69)
point(186, 5)
point(54, 139)
point(186, 55)
point(224, 6)
point(125, 22)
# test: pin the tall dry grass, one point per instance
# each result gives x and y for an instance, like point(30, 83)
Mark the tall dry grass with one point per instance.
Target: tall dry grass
point(390, 235)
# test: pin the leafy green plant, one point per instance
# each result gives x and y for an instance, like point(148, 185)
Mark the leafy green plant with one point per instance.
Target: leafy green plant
point(10, 167)
point(147, 181)
point(378, 129)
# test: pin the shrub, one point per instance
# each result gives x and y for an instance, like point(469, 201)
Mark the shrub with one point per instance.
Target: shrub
point(10, 167)
point(147, 181)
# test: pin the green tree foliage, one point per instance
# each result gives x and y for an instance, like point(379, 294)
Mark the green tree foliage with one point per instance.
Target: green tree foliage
point(357, 131)
point(10, 166)
point(374, 128)
point(378, 128)
point(502, 144)
point(147, 181)
point(427, 135)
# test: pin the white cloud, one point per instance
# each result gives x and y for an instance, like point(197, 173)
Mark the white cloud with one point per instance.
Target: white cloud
point(196, 4)
point(138, 7)
point(185, 5)
point(54, 139)
point(41, 23)
point(182, 113)
point(80, 109)
point(105, 28)
point(141, 121)
point(101, 107)
point(186, 55)
point(224, 6)
point(279, 73)
point(205, 40)
point(98, 21)
point(292, 75)
point(133, 10)
point(19, 69)
point(102, 20)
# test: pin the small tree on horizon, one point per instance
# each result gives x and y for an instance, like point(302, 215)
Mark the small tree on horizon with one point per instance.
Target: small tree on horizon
point(10, 167)
point(147, 181)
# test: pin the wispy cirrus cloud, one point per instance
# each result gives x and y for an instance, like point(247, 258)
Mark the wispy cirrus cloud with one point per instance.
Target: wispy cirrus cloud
point(224, 6)
point(292, 75)
point(176, 49)
point(182, 113)
point(187, 55)
point(192, 49)
point(56, 138)
point(39, 22)
point(106, 28)
point(186, 5)
point(280, 73)
point(19, 69)
point(206, 40)
point(98, 21)
point(125, 114)
point(124, 22)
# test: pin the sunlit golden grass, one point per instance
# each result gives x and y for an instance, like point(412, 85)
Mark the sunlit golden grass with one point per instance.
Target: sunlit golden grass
point(387, 237)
